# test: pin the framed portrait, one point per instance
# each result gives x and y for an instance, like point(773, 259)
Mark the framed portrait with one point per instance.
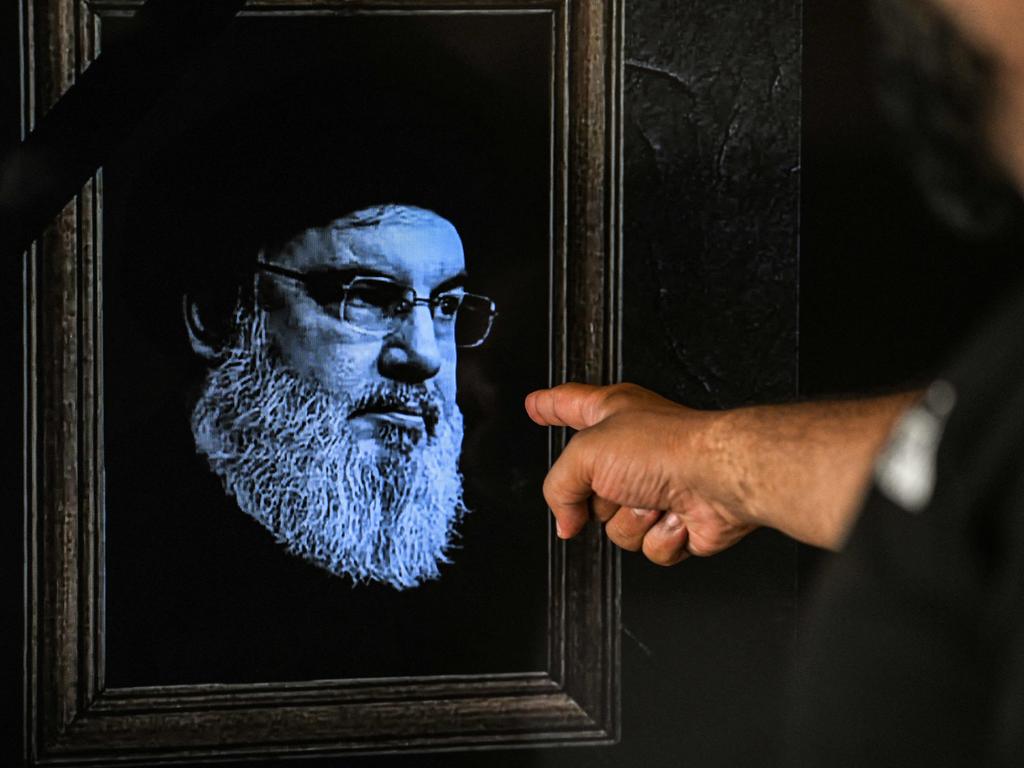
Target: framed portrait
point(284, 499)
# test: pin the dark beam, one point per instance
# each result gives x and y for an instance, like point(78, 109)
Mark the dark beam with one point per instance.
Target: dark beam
point(74, 139)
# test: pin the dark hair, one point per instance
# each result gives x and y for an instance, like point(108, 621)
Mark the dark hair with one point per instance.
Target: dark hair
point(258, 147)
point(937, 90)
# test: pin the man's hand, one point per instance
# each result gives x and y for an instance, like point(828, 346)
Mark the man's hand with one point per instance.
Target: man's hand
point(674, 482)
point(636, 464)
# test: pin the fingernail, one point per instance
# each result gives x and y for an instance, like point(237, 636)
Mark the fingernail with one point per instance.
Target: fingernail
point(639, 512)
point(558, 530)
point(673, 522)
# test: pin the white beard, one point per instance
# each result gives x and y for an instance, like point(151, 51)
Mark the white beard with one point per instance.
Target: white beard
point(284, 449)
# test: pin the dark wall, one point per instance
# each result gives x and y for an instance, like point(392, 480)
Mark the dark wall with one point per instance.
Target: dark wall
point(711, 286)
point(711, 269)
point(712, 183)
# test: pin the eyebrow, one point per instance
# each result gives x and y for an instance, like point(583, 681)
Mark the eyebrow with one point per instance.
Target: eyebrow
point(455, 281)
point(349, 272)
point(343, 274)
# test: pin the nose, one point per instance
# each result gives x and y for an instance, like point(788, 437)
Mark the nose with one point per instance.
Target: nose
point(410, 354)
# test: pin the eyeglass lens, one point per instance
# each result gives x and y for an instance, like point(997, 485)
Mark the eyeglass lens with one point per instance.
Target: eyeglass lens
point(378, 305)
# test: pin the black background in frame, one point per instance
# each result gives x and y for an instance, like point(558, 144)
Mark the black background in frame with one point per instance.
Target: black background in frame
point(290, 122)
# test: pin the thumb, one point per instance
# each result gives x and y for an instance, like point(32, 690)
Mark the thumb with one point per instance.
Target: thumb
point(568, 405)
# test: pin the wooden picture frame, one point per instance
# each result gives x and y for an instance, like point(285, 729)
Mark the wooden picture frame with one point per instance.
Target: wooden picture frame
point(71, 716)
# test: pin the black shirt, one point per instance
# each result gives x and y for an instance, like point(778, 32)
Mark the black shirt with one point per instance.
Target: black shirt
point(915, 652)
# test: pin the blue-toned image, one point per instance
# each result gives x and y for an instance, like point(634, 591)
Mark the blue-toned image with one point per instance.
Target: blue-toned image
point(326, 277)
point(331, 418)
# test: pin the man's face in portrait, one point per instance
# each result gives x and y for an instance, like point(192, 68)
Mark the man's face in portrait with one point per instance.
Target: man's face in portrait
point(332, 418)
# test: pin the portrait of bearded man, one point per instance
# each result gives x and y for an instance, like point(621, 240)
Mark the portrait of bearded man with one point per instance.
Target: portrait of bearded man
point(326, 288)
point(331, 415)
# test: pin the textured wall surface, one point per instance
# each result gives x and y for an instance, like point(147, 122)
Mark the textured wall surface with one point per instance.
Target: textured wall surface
point(712, 181)
point(712, 142)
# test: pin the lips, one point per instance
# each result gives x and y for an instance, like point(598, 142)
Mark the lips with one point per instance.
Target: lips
point(402, 411)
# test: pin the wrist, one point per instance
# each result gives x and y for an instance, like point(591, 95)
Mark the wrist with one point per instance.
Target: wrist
point(716, 457)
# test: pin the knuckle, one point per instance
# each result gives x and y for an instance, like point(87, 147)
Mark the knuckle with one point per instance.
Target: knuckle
point(548, 487)
point(578, 441)
point(657, 554)
point(630, 545)
point(608, 484)
point(602, 509)
point(604, 401)
point(621, 536)
point(629, 389)
point(615, 397)
point(698, 550)
point(555, 491)
point(557, 497)
point(662, 559)
point(705, 546)
point(579, 450)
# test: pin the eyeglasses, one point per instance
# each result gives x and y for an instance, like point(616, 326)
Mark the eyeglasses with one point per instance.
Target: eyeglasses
point(377, 305)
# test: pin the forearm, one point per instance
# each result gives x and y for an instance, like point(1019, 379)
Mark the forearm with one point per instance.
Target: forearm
point(803, 469)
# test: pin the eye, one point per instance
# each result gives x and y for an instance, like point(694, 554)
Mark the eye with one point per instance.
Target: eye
point(325, 290)
point(382, 295)
point(447, 305)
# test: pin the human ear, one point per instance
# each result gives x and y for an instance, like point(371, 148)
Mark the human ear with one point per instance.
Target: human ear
point(206, 341)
